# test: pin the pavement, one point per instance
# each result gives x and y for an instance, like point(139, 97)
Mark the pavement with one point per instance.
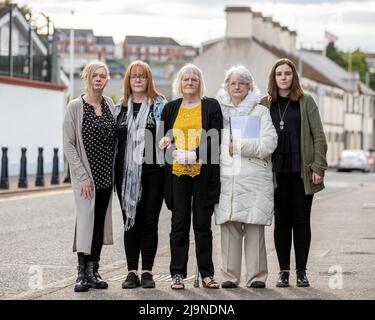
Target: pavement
point(14, 190)
point(340, 267)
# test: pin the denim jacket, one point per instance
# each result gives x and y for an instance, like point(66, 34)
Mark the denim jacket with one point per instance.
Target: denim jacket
point(158, 109)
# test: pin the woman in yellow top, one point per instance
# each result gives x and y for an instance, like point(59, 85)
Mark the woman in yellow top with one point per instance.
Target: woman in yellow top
point(192, 129)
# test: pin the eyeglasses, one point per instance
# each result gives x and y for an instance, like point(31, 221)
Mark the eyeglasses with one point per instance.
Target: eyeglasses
point(141, 77)
point(241, 84)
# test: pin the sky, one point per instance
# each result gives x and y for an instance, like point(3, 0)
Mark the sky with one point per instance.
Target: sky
point(191, 22)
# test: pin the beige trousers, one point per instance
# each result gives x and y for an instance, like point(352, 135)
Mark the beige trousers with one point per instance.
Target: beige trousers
point(233, 234)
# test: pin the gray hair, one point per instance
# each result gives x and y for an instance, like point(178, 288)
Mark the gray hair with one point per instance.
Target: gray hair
point(189, 69)
point(241, 73)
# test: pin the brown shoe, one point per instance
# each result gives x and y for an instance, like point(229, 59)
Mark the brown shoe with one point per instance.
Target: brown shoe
point(210, 283)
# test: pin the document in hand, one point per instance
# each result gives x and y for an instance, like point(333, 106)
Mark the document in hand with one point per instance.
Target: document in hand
point(245, 127)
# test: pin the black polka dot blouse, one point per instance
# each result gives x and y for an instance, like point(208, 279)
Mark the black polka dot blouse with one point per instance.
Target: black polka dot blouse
point(98, 133)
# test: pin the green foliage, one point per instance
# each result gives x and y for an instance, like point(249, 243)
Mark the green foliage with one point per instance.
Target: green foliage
point(335, 55)
point(354, 61)
point(24, 9)
point(4, 3)
point(114, 97)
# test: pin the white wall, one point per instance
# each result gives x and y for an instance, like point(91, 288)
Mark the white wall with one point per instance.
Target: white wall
point(239, 25)
point(285, 40)
point(31, 117)
point(215, 61)
point(258, 28)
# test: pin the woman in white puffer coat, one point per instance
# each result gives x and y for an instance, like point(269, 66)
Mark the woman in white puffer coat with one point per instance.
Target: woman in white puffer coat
point(246, 198)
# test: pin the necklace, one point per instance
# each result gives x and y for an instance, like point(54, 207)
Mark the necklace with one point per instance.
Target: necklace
point(282, 116)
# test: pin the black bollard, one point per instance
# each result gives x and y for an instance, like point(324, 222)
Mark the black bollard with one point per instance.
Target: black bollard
point(4, 182)
point(55, 167)
point(67, 177)
point(22, 182)
point(39, 180)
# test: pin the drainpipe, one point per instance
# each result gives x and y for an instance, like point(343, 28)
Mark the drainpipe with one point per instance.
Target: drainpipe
point(11, 6)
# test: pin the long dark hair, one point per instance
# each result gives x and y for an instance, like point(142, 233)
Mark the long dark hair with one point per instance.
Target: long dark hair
point(296, 91)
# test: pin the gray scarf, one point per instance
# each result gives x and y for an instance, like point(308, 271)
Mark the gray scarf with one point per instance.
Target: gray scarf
point(135, 144)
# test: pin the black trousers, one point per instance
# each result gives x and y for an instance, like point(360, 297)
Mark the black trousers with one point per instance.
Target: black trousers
point(142, 238)
point(185, 198)
point(292, 216)
point(102, 197)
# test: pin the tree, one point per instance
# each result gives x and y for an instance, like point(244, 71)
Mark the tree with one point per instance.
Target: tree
point(24, 9)
point(335, 55)
point(356, 59)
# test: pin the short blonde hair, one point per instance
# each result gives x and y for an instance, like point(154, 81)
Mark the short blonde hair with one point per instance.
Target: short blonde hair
point(189, 69)
point(90, 69)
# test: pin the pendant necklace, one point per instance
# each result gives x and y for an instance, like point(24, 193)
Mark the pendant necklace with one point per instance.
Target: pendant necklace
point(282, 116)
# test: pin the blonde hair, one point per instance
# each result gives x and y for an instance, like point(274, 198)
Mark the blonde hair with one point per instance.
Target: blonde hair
point(189, 69)
point(151, 92)
point(90, 69)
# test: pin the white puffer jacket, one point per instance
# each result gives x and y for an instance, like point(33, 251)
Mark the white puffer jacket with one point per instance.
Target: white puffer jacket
point(246, 181)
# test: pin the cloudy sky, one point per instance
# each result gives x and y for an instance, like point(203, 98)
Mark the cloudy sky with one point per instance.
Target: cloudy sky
point(195, 21)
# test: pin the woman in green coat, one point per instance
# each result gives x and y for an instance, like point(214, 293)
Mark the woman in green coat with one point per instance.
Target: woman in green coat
point(299, 163)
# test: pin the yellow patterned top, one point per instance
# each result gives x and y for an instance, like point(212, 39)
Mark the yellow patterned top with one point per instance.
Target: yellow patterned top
point(186, 133)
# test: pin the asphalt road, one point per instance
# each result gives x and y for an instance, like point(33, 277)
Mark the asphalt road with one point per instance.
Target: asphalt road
point(36, 233)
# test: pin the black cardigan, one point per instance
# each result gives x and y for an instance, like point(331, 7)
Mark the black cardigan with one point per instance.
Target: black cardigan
point(209, 149)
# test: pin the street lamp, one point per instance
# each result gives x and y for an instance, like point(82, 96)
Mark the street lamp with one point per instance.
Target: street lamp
point(71, 47)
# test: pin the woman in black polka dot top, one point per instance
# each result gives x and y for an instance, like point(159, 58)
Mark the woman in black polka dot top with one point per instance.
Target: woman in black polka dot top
point(89, 143)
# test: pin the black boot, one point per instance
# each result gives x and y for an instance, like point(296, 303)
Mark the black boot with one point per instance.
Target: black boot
point(302, 280)
point(81, 282)
point(93, 277)
point(282, 279)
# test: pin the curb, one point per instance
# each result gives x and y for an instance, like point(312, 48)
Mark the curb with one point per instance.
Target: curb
point(12, 193)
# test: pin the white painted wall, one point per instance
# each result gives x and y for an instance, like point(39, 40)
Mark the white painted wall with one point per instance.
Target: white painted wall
point(239, 25)
point(268, 34)
point(258, 28)
point(285, 40)
point(31, 117)
point(353, 122)
point(224, 54)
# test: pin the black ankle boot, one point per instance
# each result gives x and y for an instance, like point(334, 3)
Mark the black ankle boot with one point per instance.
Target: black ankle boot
point(302, 280)
point(81, 282)
point(93, 277)
point(283, 279)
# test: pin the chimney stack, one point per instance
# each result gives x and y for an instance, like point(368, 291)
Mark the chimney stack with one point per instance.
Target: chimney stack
point(285, 39)
point(258, 29)
point(293, 42)
point(239, 22)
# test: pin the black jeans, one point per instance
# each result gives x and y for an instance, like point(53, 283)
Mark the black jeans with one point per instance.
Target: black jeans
point(292, 215)
point(142, 238)
point(186, 197)
point(102, 197)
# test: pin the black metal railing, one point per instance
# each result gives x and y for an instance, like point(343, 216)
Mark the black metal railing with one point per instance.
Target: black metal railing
point(21, 67)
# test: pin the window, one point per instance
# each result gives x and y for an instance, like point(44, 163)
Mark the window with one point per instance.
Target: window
point(154, 49)
point(356, 104)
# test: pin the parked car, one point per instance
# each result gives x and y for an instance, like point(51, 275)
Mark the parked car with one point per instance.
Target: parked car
point(355, 159)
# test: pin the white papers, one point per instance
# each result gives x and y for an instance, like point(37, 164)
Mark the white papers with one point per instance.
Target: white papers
point(245, 127)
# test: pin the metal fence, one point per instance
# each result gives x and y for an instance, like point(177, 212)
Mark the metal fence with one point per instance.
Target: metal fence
point(21, 67)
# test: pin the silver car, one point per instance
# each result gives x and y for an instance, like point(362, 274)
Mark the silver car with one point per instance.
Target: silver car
point(355, 159)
